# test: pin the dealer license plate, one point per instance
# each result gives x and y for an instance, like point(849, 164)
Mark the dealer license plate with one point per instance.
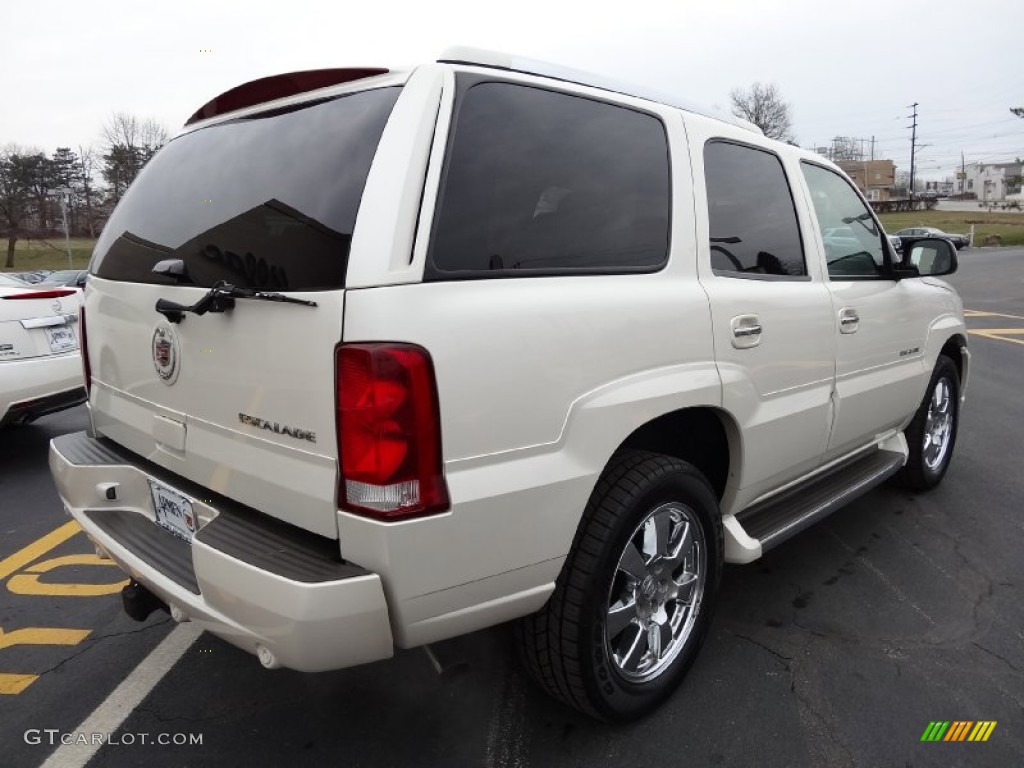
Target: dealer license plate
point(61, 339)
point(173, 511)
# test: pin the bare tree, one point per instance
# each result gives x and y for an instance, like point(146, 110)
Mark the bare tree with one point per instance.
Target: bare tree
point(902, 184)
point(846, 148)
point(129, 143)
point(762, 105)
point(127, 130)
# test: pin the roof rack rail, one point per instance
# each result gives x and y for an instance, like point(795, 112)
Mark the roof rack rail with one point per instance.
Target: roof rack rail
point(278, 87)
point(480, 57)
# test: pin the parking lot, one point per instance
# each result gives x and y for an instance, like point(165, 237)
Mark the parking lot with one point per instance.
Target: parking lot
point(836, 649)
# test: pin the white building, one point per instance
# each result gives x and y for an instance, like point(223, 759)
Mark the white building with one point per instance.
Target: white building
point(992, 182)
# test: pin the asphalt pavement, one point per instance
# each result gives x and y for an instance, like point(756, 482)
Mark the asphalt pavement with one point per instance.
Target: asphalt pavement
point(836, 649)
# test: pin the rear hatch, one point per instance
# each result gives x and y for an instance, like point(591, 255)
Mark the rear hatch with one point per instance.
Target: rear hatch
point(240, 400)
point(37, 320)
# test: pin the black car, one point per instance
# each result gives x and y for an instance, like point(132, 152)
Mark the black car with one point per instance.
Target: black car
point(74, 278)
point(960, 241)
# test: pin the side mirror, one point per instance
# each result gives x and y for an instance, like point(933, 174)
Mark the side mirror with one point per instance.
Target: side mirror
point(927, 257)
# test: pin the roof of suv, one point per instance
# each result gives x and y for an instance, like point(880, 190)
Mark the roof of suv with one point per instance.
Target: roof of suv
point(496, 60)
point(294, 87)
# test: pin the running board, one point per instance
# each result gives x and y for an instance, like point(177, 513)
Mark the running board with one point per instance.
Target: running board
point(774, 520)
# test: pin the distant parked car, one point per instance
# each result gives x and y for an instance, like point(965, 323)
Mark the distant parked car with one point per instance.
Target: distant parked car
point(74, 278)
point(958, 240)
point(839, 241)
point(29, 277)
point(40, 366)
point(840, 237)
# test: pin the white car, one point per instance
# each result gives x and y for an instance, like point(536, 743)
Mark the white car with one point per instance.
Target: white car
point(488, 340)
point(40, 365)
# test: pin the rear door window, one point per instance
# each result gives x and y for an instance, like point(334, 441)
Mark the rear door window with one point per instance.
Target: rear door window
point(265, 201)
point(751, 216)
point(543, 182)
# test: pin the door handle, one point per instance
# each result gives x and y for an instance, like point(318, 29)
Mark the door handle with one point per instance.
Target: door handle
point(849, 320)
point(746, 331)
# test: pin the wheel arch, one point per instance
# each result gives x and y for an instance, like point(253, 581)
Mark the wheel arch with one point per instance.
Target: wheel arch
point(947, 335)
point(955, 348)
point(704, 436)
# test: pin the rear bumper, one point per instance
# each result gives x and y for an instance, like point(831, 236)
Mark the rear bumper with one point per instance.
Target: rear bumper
point(260, 584)
point(38, 386)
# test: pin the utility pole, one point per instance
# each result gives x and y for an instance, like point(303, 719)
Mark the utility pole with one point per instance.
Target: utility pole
point(913, 148)
point(872, 149)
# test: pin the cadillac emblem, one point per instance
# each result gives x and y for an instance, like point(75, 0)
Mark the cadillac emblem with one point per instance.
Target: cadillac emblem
point(165, 353)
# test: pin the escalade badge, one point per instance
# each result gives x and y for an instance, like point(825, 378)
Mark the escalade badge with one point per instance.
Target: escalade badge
point(279, 429)
point(165, 353)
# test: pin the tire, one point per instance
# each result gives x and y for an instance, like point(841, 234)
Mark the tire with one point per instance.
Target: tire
point(645, 567)
point(937, 416)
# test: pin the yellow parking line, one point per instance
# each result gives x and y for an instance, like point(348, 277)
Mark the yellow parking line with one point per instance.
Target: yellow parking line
point(12, 685)
point(28, 583)
point(981, 313)
point(37, 548)
point(1000, 334)
point(42, 636)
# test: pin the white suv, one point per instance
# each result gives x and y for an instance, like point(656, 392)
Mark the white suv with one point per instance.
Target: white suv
point(377, 359)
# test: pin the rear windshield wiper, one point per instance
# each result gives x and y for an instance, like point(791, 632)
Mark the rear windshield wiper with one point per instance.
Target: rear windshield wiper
point(220, 298)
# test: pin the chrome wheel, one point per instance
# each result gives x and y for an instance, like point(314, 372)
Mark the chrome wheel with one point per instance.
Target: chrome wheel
point(938, 425)
point(656, 592)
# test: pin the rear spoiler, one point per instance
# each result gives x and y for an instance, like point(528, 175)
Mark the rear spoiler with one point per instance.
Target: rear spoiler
point(278, 87)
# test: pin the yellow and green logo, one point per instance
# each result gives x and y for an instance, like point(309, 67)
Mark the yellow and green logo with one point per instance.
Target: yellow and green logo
point(958, 730)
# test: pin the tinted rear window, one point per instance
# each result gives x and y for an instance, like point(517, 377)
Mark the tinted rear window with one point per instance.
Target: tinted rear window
point(751, 216)
point(267, 201)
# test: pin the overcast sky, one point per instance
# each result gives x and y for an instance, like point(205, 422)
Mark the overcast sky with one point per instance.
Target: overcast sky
point(847, 68)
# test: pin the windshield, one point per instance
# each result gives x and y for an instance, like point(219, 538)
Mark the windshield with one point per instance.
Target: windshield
point(267, 201)
point(63, 276)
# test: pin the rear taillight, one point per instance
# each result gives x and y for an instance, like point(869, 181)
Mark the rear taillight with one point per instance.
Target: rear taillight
point(52, 293)
point(84, 347)
point(389, 431)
